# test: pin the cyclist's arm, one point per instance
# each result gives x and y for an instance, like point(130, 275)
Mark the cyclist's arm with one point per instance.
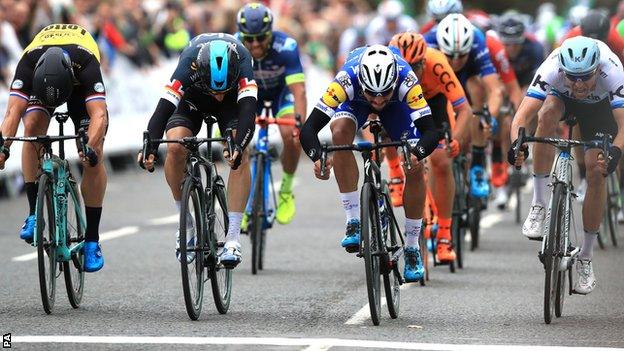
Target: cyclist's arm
point(495, 90)
point(429, 137)
point(15, 111)
point(618, 115)
point(299, 93)
point(18, 97)
point(246, 121)
point(515, 92)
point(295, 78)
point(98, 121)
point(462, 124)
point(525, 115)
point(309, 133)
point(90, 78)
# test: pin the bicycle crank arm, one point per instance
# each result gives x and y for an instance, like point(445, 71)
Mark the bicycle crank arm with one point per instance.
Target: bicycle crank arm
point(568, 260)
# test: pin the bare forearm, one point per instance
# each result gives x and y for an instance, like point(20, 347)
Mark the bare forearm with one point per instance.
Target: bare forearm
point(462, 126)
point(12, 117)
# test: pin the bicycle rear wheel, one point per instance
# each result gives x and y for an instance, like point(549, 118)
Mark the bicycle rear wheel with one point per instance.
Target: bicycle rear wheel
point(192, 270)
point(45, 237)
point(391, 275)
point(73, 269)
point(552, 257)
point(220, 277)
point(257, 215)
point(370, 248)
point(458, 231)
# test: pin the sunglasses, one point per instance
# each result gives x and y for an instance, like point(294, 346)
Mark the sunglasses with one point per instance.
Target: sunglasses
point(583, 78)
point(250, 38)
point(456, 56)
point(375, 94)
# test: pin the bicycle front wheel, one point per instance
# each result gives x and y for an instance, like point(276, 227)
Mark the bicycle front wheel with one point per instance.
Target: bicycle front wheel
point(458, 230)
point(220, 277)
point(191, 255)
point(75, 235)
point(45, 237)
point(257, 216)
point(370, 249)
point(474, 214)
point(551, 254)
point(391, 275)
point(613, 207)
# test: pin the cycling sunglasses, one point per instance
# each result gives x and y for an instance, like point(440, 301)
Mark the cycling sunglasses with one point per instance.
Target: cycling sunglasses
point(582, 78)
point(250, 38)
point(375, 94)
point(456, 56)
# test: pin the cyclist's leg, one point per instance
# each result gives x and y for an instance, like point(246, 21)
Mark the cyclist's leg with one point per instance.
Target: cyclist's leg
point(479, 186)
point(284, 108)
point(579, 155)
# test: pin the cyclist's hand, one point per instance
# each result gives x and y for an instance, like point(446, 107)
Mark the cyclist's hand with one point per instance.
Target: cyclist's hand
point(601, 163)
point(89, 157)
point(453, 148)
point(2, 160)
point(147, 164)
point(235, 159)
point(522, 156)
point(317, 169)
point(614, 158)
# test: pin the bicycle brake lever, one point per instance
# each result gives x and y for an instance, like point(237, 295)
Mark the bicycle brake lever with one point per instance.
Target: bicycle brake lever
point(147, 145)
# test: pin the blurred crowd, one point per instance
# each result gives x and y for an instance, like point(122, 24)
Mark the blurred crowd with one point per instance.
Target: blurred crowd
point(147, 31)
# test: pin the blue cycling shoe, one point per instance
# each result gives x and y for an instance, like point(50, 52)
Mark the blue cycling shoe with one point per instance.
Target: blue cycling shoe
point(351, 241)
point(28, 229)
point(414, 270)
point(479, 186)
point(93, 259)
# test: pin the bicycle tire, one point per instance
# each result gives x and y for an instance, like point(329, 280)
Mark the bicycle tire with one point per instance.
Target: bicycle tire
point(474, 214)
point(601, 242)
point(220, 277)
point(391, 280)
point(424, 254)
point(551, 255)
point(369, 241)
point(457, 228)
point(518, 204)
point(257, 215)
point(192, 272)
point(613, 194)
point(46, 249)
point(73, 269)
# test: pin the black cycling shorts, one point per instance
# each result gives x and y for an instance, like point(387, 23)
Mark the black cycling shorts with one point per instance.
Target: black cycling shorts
point(76, 107)
point(191, 110)
point(593, 119)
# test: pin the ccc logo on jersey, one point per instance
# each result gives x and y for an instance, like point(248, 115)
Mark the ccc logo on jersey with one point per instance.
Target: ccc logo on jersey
point(334, 95)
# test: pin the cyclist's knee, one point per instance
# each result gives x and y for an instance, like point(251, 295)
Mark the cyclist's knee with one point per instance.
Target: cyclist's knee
point(176, 152)
point(593, 173)
point(35, 123)
point(441, 164)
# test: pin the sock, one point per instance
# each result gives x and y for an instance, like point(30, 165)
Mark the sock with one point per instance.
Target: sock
point(540, 187)
point(93, 215)
point(351, 205)
point(234, 228)
point(478, 156)
point(497, 153)
point(444, 228)
point(189, 219)
point(396, 171)
point(287, 183)
point(587, 250)
point(31, 194)
point(178, 205)
point(412, 232)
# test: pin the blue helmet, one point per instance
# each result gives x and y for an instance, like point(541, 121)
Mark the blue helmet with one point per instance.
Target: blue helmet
point(254, 19)
point(218, 66)
point(579, 56)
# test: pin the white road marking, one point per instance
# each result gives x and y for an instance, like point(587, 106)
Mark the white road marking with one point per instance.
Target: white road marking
point(113, 234)
point(163, 340)
point(490, 220)
point(173, 219)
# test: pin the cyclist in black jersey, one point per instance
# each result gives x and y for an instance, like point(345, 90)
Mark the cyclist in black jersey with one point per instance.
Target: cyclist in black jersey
point(214, 76)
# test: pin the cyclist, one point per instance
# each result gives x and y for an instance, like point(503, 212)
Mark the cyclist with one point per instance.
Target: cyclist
point(438, 9)
point(441, 88)
point(389, 20)
point(582, 78)
point(375, 79)
point(279, 74)
point(214, 76)
point(465, 48)
point(61, 65)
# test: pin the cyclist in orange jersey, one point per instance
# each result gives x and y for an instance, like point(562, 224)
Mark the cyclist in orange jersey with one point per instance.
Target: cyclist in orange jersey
point(446, 98)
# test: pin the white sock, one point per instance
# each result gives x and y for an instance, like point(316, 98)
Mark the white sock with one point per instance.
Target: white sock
point(190, 222)
point(178, 205)
point(234, 230)
point(587, 250)
point(351, 205)
point(540, 188)
point(412, 231)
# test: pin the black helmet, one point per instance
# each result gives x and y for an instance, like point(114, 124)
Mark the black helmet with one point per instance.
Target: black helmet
point(511, 29)
point(218, 66)
point(254, 19)
point(595, 25)
point(53, 79)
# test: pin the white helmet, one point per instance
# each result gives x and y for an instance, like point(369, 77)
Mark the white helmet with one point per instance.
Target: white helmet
point(438, 9)
point(455, 35)
point(390, 9)
point(378, 70)
point(579, 56)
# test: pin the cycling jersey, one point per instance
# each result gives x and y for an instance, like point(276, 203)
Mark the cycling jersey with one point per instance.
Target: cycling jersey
point(479, 62)
point(499, 57)
point(273, 73)
point(614, 41)
point(428, 26)
point(528, 60)
point(438, 78)
point(83, 53)
point(185, 84)
point(377, 31)
point(550, 79)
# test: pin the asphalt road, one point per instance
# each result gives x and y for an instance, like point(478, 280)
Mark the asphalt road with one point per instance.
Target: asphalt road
point(311, 295)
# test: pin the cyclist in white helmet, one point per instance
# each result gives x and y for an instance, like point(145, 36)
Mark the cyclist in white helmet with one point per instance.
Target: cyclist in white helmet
point(583, 78)
point(389, 21)
point(438, 9)
point(375, 79)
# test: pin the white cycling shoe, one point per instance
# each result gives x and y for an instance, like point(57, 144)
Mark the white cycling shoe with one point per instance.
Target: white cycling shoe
point(501, 199)
point(533, 225)
point(231, 254)
point(190, 242)
point(586, 279)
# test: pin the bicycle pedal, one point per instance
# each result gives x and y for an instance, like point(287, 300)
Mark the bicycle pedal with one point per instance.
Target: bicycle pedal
point(536, 239)
point(574, 292)
point(353, 249)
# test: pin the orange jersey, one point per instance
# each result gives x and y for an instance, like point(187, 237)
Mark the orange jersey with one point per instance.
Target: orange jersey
point(438, 78)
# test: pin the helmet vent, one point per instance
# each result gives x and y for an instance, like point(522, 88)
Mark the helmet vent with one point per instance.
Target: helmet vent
point(584, 52)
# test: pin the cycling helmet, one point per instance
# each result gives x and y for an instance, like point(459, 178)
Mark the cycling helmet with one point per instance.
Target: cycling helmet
point(390, 9)
point(218, 66)
point(579, 56)
point(511, 29)
point(378, 70)
point(576, 14)
point(254, 19)
point(438, 9)
point(596, 25)
point(411, 44)
point(53, 79)
point(455, 35)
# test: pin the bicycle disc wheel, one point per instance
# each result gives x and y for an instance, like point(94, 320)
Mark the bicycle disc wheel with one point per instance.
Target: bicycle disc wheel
point(474, 220)
point(192, 270)
point(73, 269)
point(551, 255)
point(45, 237)
point(391, 281)
point(257, 215)
point(369, 242)
point(220, 277)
